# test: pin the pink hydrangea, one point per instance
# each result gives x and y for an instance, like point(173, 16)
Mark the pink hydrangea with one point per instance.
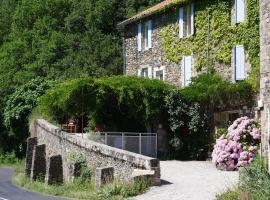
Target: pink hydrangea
point(239, 147)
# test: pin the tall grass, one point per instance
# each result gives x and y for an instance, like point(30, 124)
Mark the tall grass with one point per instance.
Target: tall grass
point(254, 184)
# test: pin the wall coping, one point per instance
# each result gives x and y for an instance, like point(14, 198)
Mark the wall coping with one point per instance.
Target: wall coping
point(138, 160)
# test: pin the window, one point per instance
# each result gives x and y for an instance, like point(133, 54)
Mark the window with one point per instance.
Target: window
point(139, 37)
point(186, 21)
point(187, 64)
point(148, 35)
point(159, 73)
point(240, 10)
point(239, 63)
point(145, 72)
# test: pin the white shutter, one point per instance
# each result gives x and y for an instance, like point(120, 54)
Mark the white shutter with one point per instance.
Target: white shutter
point(139, 73)
point(150, 34)
point(181, 22)
point(188, 70)
point(150, 73)
point(240, 10)
point(139, 37)
point(183, 71)
point(192, 13)
point(239, 58)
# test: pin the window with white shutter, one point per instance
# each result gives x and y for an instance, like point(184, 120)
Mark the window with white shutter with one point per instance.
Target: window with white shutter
point(240, 10)
point(150, 73)
point(239, 62)
point(186, 20)
point(139, 73)
point(159, 73)
point(148, 34)
point(139, 37)
point(186, 70)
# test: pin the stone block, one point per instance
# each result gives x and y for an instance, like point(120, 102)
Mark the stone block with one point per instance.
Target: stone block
point(31, 142)
point(74, 170)
point(54, 170)
point(104, 175)
point(38, 168)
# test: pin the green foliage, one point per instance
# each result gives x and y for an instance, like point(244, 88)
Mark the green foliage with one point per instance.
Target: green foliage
point(190, 137)
point(256, 180)
point(223, 36)
point(8, 158)
point(85, 173)
point(19, 106)
point(213, 92)
point(113, 101)
point(254, 183)
point(125, 190)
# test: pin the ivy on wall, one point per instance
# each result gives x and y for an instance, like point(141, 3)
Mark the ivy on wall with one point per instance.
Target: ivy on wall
point(216, 36)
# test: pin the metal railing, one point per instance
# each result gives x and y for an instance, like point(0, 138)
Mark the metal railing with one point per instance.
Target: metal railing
point(141, 143)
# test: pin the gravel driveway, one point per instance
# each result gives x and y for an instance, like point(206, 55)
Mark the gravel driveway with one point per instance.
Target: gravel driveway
point(192, 180)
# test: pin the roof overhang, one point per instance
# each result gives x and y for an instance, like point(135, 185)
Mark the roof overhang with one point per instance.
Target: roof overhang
point(163, 6)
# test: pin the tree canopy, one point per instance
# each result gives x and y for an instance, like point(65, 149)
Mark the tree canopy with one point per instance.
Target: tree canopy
point(57, 40)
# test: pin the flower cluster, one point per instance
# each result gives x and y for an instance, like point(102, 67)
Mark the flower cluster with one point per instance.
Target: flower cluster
point(239, 147)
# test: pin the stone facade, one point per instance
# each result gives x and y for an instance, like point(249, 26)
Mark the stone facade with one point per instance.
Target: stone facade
point(97, 155)
point(265, 72)
point(155, 57)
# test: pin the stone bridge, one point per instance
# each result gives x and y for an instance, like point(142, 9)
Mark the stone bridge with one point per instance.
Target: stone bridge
point(49, 150)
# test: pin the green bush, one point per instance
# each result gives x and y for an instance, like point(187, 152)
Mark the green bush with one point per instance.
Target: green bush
point(18, 108)
point(123, 189)
point(254, 183)
point(125, 103)
point(8, 158)
point(210, 90)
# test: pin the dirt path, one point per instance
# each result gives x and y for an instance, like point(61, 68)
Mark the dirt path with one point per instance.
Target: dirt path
point(190, 181)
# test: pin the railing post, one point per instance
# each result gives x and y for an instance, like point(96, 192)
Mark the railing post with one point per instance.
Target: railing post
point(106, 139)
point(156, 143)
point(140, 143)
point(123, 141)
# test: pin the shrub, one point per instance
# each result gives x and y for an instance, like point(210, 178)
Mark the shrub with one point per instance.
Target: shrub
point(190, 138)
point(8, 158)
point(125, 103)
point(239, 147)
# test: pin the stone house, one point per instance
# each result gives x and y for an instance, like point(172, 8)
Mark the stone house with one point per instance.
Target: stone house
point(149, 52)
point(265, 76)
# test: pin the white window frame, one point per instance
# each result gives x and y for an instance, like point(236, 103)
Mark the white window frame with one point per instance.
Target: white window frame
point(162, 68)
point(149, 70)
point(242, 19)
point(183, 18)
point(242, 75)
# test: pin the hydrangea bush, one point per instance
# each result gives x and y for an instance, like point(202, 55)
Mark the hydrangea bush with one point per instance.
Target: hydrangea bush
point(239, 147)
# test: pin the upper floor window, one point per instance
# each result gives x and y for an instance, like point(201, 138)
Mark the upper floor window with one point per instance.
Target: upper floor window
point(187, 66)
point(148, 34)
point(145, 72)
point(139, 37)
point(186, 21)
point(240, 10)
point(239, 63)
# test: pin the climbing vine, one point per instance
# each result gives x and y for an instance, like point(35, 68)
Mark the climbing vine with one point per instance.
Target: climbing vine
point(216, 36)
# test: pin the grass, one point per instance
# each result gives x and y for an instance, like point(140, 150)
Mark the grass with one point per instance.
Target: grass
point(79, 189)
point(254, 184)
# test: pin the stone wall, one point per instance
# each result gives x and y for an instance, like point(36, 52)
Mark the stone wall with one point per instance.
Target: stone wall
point(97, 155)
point(265, 71)
point(155, 56)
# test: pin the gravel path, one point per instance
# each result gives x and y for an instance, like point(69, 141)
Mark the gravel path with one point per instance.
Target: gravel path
point(192, 180)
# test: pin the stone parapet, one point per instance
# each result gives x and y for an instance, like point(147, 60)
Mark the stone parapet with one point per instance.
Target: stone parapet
point(97, 155)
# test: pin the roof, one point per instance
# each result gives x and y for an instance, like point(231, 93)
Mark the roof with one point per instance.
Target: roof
point(150, 11)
